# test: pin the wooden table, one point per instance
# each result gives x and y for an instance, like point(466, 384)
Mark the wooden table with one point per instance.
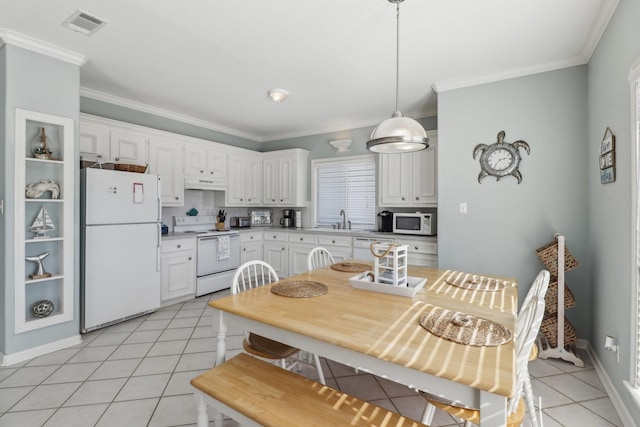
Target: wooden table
point(380, 333)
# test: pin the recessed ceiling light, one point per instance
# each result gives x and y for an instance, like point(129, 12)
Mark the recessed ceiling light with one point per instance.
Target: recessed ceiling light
point(278, 95)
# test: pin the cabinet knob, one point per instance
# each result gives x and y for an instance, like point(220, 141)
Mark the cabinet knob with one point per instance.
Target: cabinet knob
point(301, 239)
point(403, 198)
point(241, 199)
point(190, 258)
point(284, 249)
point(179, 246)
point(415, 248)
point(117, 159)
point(417, 198)
point(333, 241)
point(251, 237)
point(280, 200)
point(99, 156)
point(244, 249)
point(212, 172)
point(177, 198)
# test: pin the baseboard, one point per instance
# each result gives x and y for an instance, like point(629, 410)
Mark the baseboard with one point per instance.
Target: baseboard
point(10, 359)
point(614, 396)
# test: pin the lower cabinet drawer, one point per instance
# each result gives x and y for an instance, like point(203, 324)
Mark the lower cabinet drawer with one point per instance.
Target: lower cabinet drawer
point(175, 245)
point(334, 240)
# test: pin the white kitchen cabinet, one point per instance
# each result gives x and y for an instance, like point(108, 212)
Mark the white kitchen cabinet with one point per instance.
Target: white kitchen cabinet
point(285, 175)
point(44, 221)
point(128, 146)
point(178, 273)
point(340, 247)
point(421, 251)
point(93, 143)
point(244, 179)
point(250, 246)
point(409, 179)
point(300, 244)
point(298, 254)
point(276, 251)
point(204, 161)
point(165, 159)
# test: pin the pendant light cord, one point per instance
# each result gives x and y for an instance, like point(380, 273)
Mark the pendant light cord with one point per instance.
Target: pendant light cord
point(397, 53)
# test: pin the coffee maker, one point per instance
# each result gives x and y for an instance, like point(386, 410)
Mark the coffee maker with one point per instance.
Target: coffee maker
point(386, 221)
point(288, 218)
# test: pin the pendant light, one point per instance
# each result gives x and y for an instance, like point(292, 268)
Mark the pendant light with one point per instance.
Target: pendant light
point(398, 134)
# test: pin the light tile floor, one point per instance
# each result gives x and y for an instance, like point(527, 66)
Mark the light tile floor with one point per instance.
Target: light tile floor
point(137, 373)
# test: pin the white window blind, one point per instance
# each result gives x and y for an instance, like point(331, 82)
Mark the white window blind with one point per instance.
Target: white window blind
point(349, 184)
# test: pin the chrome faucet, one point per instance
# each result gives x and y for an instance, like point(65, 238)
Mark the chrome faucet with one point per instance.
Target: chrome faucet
point(343, 213)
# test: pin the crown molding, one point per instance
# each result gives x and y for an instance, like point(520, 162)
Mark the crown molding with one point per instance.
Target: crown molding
point(446, 85)
point(39, 46)
point(146, 108)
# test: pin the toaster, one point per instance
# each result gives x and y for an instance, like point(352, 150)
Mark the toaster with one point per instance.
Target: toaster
point(240, 222)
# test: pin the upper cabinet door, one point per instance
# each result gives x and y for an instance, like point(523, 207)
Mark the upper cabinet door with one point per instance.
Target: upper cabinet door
point(94, 143)
point(128, 147)
point(425, 173)
point(195, 160)
point(253, 186)
point(217, 163)
point(394, 179)
point(270, 191)
point(165, 159)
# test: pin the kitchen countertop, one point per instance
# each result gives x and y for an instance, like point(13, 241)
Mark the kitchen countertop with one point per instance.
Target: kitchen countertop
point(352, 233)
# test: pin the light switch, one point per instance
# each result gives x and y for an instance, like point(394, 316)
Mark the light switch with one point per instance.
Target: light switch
point(463, 208)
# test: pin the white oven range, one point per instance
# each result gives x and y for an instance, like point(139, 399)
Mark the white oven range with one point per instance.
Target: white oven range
point(217, 252)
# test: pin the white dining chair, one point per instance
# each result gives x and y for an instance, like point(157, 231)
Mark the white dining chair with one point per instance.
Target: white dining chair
point(319, 257)
point(527, 328)
point(251, 275)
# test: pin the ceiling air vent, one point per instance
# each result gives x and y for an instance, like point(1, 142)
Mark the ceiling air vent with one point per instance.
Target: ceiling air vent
point(84, 23)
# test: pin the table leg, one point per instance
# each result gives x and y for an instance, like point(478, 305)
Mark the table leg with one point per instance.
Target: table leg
point(220, 326)
point(493, 410)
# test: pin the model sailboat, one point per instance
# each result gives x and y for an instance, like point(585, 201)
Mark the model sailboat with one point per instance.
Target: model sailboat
point(42, 224)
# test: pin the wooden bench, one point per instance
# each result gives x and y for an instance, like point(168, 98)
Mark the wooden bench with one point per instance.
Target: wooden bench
point(256, 393)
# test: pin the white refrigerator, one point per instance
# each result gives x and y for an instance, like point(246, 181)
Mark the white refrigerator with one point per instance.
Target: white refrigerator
point(120, 246)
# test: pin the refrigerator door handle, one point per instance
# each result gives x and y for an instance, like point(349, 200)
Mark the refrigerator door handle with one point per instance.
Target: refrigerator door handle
point(158, 246)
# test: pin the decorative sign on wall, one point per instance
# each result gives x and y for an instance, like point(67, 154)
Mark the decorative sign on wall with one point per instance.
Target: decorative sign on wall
point(608, 157)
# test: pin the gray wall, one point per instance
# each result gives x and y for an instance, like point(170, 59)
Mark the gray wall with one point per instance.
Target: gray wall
point(44, 84)
point(611, 224)
point(506, 221)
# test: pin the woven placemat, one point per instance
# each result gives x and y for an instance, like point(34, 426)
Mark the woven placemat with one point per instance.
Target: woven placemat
point(474, 282)
point(351, 267)
point(299, 289)
point(464, 328)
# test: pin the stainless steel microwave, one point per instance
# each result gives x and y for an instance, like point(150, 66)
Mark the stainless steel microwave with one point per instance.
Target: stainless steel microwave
point(420, 223)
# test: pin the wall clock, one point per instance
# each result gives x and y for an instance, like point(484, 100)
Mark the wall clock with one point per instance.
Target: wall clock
point(500, 159)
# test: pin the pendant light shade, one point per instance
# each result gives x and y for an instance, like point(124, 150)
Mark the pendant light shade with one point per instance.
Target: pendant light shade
point(398, 134)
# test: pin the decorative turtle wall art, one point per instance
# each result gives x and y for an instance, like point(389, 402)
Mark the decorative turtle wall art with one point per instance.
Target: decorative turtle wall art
point(501, 158)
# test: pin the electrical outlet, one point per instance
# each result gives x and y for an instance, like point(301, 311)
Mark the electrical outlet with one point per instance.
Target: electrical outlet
point(463, 208)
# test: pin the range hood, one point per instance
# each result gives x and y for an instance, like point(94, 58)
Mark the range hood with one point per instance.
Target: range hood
point(195, 183)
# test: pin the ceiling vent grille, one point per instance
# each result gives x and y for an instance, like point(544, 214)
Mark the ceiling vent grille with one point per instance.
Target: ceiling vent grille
point(84, 23)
